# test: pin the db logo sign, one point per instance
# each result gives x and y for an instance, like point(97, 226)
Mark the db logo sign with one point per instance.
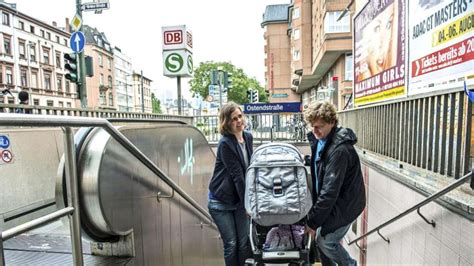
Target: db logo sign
point(173, 37)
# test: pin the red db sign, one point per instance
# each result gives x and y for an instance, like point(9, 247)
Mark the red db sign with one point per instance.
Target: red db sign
point(173, 37)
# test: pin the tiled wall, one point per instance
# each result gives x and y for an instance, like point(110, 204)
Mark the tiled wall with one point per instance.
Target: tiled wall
point(412, 240)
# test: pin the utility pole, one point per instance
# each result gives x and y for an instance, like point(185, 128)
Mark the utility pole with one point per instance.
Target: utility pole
point(143, 96)
point(82, 65)
point(178, 79)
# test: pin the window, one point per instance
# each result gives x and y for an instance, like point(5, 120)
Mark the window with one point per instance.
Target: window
point(49, 103)
point(23, 78)
point(102, 98)
point(9, 76)
point(6, 19)
point(68, 86)
point(331, 25)
point(111, 99)
point(1, 75)
point(58, 60)
point(34, 79)
point(21, 49)
point(36, 102)
point(109, 63)
point(60, 104)
point(32, 29)
point(46, 56)
point(57, 39)
point(68, 104)
point(296, 55)
point(42, 33)
point(296, 13)
point(349, 74)
point(110, 81)
point(49, 35)
point(101, 60)
point(65, 42)
point(296, 34)
point(101, 79)
point(47, 81)
point(59, 83)
point(7, 45)
point(32, 49)
point(21, 25)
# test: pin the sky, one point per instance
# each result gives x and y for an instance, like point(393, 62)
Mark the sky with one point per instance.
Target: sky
point(223, 30)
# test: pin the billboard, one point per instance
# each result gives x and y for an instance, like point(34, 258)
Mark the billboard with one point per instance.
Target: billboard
point(441, 44)
point(379, 52)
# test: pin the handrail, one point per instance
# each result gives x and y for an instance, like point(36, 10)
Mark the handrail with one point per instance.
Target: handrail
point(431, 198)
point(50, 121)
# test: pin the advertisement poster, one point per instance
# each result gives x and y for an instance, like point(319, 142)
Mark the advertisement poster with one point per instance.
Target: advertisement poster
point(441, 44)
point(379, 49)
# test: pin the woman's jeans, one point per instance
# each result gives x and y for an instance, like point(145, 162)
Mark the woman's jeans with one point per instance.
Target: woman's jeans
point(233, 225)
point(332, 251)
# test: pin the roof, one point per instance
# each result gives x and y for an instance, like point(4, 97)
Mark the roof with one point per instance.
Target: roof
point(95, 37)
point(275, 14)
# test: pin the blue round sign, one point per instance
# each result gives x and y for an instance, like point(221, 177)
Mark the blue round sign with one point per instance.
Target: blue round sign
point(4, 142)
point(77, 41)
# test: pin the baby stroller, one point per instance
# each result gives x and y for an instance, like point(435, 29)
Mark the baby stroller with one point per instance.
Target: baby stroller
point(277, 194)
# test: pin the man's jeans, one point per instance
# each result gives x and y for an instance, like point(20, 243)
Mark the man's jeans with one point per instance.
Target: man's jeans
point(332, 251)
point(233, 226)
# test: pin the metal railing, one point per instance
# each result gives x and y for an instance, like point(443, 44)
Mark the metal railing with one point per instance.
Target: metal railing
point(417, 207)
point(48, 110)
point(433, 133)
point(264, 127)
point(67, 123)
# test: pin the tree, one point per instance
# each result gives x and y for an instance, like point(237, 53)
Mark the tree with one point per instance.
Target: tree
point(155, 104)
point(240, 82)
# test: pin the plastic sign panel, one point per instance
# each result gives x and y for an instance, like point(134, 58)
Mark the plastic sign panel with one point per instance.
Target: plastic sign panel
point(256, 108)
point(441, 45)
point(176, 38)
point(379, 49)
point(177, 63)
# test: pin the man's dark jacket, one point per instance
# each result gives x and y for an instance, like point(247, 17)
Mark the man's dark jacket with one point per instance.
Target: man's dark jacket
point(341, 194)
point(228, 180)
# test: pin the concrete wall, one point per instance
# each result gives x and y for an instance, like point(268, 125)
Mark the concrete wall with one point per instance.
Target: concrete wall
point(412, 240)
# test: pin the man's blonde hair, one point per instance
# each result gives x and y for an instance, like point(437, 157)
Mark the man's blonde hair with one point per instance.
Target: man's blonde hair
point(324, 111)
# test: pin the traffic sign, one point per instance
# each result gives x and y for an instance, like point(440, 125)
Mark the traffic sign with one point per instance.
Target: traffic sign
point(95, 6)
point(76, 22)
point(7, 156)
point(77, 41)
point(4, 142)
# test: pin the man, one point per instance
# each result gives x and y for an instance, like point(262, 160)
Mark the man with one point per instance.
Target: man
point(338, 187)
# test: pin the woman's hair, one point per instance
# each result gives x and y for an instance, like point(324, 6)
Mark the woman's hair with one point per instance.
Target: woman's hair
point(321, 111)
point(225, 117)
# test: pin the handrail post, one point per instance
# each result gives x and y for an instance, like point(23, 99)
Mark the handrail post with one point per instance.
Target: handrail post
point(73, 200)
point(2, 254)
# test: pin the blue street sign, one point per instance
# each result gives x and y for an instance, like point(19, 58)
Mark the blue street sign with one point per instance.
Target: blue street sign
point(4, 142)
point(77, 41)
point(256, 108)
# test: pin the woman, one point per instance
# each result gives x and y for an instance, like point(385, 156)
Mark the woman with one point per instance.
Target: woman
point(227, 186)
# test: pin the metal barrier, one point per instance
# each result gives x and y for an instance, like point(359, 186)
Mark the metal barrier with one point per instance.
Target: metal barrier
point(47, 110)
point(71, 174)
point(264, 127)
point(433, 133)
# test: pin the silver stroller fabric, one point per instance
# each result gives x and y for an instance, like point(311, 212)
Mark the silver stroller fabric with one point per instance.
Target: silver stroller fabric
point(276, 190)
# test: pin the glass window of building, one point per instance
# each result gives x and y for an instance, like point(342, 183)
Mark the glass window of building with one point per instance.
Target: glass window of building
point(36, 102)
point(60, 104)
point(23, 78)
point(296, 34)
point(9, 76)
point(109, 63)
point(6, 19)
point(296, 13)
point(102, 97)
point(59, 83)
point(57, 39)
point(21, 25)
point(34, 79)
point(21, 49)
point(32, 49)
point(68, 104)
point(7, 45)
point(49, 35)
point(110, 81)
point(58, 59)
point(101, 60)
point(68, 86)
point(349, 69)
point(46, 56)
point(101, 79)
point(1, 75)
point(47, 81)
point(331, 25)
point(296, 55)
point(42, 33)
point(50, 103)
point(111, 99)
point(32, 29)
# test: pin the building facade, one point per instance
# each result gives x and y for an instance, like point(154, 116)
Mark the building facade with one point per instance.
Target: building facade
point(142, 83)
point(101, 91)
point(320, 45)
point(123, 81)
point(32, 59)
point(278, 55)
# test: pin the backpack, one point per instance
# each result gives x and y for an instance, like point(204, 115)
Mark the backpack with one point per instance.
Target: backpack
point(276, 190)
